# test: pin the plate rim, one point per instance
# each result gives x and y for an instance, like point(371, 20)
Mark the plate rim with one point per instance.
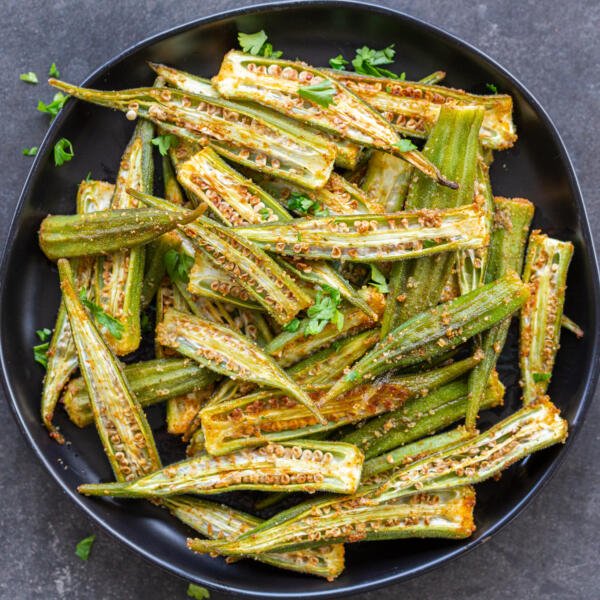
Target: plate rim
point(591, 378)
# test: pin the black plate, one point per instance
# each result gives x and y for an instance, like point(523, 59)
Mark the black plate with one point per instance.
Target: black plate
point(538, 168)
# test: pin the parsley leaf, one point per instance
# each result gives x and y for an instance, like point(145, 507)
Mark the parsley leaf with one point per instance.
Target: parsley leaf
point(164, 142)
point(292, 326)
point(53, 71)
point(304, 205)
point(257, 45)
point(178, 265)
point(30, 151)
point(52, 109)
point(405, 145)
point(338, 62)
point(197, 592)
point(43, 334)
point(84, 547)
point(112, 325)
point(324, 310)
point(540, 377)
point(492, 88)
point(378, 280)
point(29, 77)
point(367, 62)
point(63, 152)
point(321, 93)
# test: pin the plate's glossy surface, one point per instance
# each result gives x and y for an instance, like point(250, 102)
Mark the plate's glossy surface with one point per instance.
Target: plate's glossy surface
point(537, 168)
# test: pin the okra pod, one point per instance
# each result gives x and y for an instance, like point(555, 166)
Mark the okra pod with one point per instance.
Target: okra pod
point(546, 267)
point(268, 416)
point(119, 276)
point(239, 133)
point(120, 420)
point(150, 381)
point(302, 465)
point(62, 355)
point(452, 469)
point(386, 180)
point(216, 521)
point(413, 108)
point(374, 238)
point(571, 326)
point(315, 98)
point(454, 146)
point(441, 514)
point(347, 153)
point(433, 78)
point(512, 218)
point(106, 231)
point(290, 347)
point(227, 352)
point(420, 417)
point(438, 330)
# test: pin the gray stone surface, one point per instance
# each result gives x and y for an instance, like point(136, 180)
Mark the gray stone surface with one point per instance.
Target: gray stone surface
point(551, 551)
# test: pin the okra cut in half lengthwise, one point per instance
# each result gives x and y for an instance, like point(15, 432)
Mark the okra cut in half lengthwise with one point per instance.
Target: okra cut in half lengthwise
point(546, 267)
point(120, 420)
point(338, 519)
point(317, 99)
point(301, 465)
point(239, 133)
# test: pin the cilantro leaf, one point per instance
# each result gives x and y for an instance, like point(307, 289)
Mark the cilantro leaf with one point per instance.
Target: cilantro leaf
point(541, 377)
point(52, 109)
point(197, 592)
point(63, 152)
point(378, 280)
point(29, 77)
point(43, 334)
point(265, 213)
point(108, 322)
point(178, 265)
point(324, 310)
point(292, 326)
point(304, 205)
point(367, 62)
point(84, 547)
point(338, 62)
point(40, 354)
point(405, 145)
point(321, 93)
point(492, 88)
point(164, 142)
point(257, 45)
point(30, 151)
point(53, 71)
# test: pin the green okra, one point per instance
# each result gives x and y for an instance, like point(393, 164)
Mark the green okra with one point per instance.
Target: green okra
point(463, 464)
point(420, 417)
point(512, 218)
point(413, 108)
point(173, 191)
point(106, 231)
point(151, 381)
point(347, 153)
point(301, 465)
point(119, 276)
point(62, 355)
point(441, 514)
point(290, 347)
point(454, 146)
point(374, 238)
point(267, 416)
point(433, 78)
point(314, 97)
point(239, 133)
point(227, 352)
point(386, 180)
point(546, 266)
point(216, 521)
point(438, 330)
point(120, 420)
point(569, 324)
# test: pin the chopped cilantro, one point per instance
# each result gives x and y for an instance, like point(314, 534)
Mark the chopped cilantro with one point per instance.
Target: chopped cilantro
point(338, 62)
point(378, 280)
point(30, 151)
point(321, 93)
point(405, 145)
point(178, 265)
point(541, 377)
point(112, 325)
point(29, 77)
point(197, 592)
point(292, 326)
point(257, 44)
point(164, 142)
point(367, 62)
point(492, 88)
point(84, 547)
point(52, 109)
point(53, 71)
point(304, 205)
point(324, 310)
point(63, 152)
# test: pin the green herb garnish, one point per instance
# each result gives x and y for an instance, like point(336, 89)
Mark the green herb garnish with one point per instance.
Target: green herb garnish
point(367, 62)
point(112, 325)
point(304, 205)
point(52, 109)
point(84, 547)
point(321, 93)
point(53, 71)
point(405, 145)
point(292, 326)
point(338, 62)
point(378, 280)
point(257, 44)
point(63, 152)
point(40, 352)
point(197, 592)
point(30, 151)
point(164, 142)
point(324, 310)
point(29, 77)
point(541, 377)
point(492, 88)
point(178, 265)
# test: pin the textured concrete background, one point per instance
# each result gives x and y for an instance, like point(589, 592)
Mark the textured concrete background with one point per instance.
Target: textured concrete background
point(551, 551)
